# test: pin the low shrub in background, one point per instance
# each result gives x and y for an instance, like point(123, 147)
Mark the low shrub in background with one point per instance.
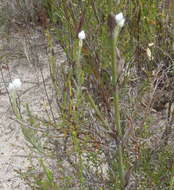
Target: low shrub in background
point(100, 136)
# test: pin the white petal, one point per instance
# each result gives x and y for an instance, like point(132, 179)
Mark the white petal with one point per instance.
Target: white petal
point(150, 44)
point(17, 83)
point(82, 35)
point(10, 86)
point(119, 17)
point(120, 20)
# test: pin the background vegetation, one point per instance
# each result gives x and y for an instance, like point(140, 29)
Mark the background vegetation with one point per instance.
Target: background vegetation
point(82, 139)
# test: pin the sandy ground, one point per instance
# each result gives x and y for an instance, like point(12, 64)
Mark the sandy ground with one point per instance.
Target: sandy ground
point(18, 53)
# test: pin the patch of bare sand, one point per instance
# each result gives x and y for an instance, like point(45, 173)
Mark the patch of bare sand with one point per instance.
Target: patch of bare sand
point(19, 52)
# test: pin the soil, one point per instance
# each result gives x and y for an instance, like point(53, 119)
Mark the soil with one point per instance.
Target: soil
point(18, 51)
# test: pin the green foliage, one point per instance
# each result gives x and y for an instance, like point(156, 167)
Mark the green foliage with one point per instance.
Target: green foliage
point(156, 168)
point(101, 120)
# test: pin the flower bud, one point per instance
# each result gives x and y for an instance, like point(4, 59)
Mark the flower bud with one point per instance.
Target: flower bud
point(120, 20)
point(14, 85)
point(82, 35)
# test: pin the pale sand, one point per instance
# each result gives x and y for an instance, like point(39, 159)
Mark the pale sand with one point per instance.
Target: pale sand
point(12, 143)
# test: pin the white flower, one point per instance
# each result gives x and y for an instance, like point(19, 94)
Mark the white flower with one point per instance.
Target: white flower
point(150, 44)
point(14, 85)
point(119, 17)
point(82, 35)
point(120, 20)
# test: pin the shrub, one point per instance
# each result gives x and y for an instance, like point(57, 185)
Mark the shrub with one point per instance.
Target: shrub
point(100, 139)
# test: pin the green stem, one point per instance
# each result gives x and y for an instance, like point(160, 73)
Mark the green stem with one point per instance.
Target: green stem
point(77, 150)
point(79, 71)
point(15, 105)
point(77, 146)
point(172, 178)
point(116, 102)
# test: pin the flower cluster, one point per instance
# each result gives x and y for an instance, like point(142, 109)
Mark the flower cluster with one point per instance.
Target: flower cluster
point(14, 85)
